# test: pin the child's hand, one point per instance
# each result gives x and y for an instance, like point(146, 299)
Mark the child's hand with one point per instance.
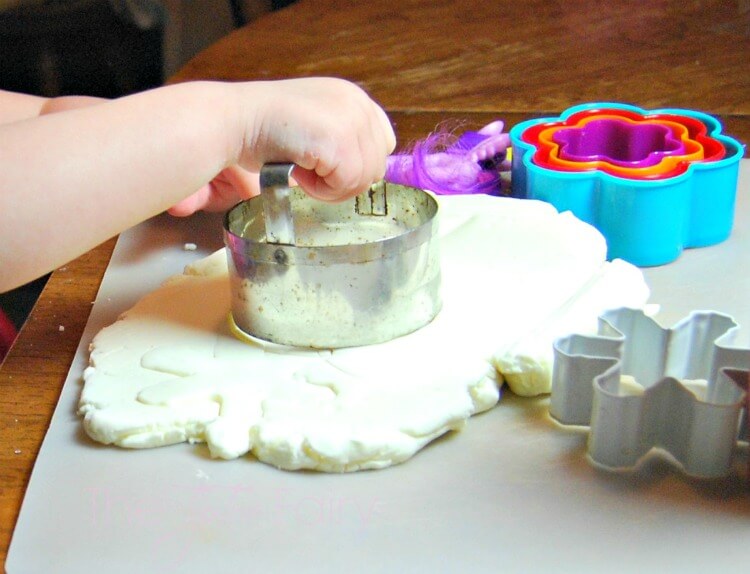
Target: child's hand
point(232, 185)
point(335, 134)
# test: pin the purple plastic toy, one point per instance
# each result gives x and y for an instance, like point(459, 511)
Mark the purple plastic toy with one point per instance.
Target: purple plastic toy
point(446, 165)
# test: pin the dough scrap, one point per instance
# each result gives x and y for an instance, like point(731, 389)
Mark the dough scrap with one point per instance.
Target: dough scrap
point(516, 275)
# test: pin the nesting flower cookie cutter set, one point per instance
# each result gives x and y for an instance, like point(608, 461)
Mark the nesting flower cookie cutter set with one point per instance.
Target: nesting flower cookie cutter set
point(653, 183)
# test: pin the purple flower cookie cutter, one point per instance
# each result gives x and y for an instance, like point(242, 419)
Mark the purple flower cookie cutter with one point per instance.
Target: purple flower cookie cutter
point(620, 142)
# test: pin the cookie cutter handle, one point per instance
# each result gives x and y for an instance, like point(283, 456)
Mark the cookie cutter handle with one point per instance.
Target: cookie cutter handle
point(277, 205)
point(373, 201)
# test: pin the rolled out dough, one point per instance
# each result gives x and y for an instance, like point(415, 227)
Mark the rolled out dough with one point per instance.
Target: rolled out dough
point(516, 275)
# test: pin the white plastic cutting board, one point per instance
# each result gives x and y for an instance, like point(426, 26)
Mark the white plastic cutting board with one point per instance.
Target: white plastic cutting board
point(511, 493)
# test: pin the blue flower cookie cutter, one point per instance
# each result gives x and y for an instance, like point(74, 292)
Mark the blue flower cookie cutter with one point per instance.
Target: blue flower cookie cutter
point(646, 222)
point(688, 390)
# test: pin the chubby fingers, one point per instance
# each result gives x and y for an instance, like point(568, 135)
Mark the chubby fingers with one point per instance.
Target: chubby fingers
point(231, 185)
point(337, 136)
point(356, 157)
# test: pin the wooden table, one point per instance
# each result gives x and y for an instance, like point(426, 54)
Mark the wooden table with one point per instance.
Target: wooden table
point(426, 61)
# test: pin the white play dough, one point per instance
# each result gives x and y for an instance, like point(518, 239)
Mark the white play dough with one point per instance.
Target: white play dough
point(516, 275)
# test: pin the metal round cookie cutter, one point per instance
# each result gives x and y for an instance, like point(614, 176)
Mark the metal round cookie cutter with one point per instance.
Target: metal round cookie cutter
point(315, 274)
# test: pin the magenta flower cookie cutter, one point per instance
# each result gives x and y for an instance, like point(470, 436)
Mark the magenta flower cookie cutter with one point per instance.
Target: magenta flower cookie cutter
point(619, 142)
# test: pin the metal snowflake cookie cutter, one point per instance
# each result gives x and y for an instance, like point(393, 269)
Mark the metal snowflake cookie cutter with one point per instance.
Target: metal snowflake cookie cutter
point(689, 396)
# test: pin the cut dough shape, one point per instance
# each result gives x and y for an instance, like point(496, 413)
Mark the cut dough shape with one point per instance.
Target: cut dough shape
point(516, 275)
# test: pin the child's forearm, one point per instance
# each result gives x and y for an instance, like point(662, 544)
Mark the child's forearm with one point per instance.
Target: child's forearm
point(15, 106)
point(78, 177)
point(71, 180)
